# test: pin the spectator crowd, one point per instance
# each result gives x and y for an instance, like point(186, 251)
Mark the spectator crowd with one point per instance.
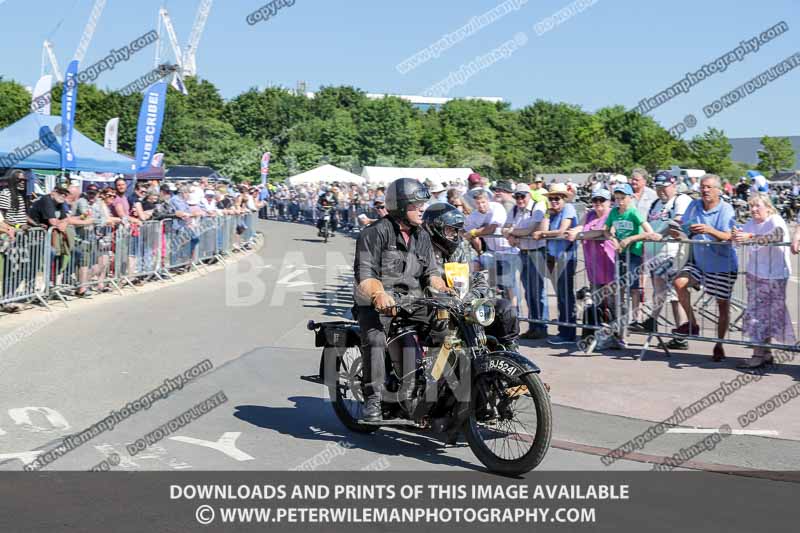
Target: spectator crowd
point(92, 214)
point(668, 234)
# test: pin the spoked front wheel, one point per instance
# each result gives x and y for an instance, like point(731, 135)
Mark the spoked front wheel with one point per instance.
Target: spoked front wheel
point(347, 394)
point(510, 422)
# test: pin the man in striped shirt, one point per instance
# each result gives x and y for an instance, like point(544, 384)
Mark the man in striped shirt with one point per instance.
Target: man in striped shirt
point(14, 204)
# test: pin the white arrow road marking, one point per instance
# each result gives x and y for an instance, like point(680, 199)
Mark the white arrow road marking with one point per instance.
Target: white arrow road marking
point(287, 279)
point(25, 457)
point(125, 461)
point(159, 453)
point(707, 431)
point(226, 444)
point(22, 417)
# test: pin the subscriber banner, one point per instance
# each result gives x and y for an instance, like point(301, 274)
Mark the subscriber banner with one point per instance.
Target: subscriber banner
point(148, 130)
point(394, 501)
point(69, 100)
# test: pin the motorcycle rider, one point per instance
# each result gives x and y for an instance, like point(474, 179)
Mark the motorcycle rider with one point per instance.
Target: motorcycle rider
point(394, 256)
point(445, 224)
point(326, 200)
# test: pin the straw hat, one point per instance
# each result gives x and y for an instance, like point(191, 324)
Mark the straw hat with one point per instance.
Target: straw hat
point(557, 189)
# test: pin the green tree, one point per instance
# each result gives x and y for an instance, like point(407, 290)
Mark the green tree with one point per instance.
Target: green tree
point(301, 156)
point(552, 131)
point(649, 145)
point(328, 100)
point(711, 151)
point(266, 114)
point(777, 154)
point(387, 131)
point(15, 102)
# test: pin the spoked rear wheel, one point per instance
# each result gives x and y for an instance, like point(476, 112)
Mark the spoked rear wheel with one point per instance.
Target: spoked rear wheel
point(510, 422)
point(347, 394)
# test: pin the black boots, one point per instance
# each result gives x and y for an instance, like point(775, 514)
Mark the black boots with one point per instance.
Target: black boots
point(372, 409)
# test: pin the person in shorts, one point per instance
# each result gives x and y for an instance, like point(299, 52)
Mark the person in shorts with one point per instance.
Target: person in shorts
point(708, 219)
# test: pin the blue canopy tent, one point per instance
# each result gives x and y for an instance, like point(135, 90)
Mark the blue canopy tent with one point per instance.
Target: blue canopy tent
point(34, 142)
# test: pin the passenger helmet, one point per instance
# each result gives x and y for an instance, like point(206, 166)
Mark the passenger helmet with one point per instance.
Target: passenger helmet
point(444, 222)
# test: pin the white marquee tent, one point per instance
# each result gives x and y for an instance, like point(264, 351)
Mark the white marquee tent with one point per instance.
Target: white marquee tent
point(326, 174)
point(384, 175)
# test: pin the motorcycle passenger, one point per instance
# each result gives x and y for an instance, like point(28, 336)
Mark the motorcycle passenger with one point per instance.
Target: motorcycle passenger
point(394, 257)
point(445, 223)
point(326, 200)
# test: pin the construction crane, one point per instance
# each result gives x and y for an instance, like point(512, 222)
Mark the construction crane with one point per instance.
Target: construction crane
point(88, 30)
point(166, 20)
point(200, 19)
point(49, 57)
point(48, 54)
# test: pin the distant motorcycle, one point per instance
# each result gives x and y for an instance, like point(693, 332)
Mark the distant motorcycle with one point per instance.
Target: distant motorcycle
point(471, 384)
point(326, 229)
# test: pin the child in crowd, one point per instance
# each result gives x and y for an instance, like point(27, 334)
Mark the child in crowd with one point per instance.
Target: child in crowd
point(626, 228)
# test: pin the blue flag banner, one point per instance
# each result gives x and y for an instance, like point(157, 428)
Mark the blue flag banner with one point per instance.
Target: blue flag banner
point(148, 131)
point(69, 99)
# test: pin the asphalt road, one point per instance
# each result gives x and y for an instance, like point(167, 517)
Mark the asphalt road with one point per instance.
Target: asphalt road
point(71, 368)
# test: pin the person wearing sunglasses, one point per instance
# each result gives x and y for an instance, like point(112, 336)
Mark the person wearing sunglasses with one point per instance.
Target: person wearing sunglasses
point(598, 252)
point(527, 216)
point(561, 259)
point(394, 257)
point(380, 210)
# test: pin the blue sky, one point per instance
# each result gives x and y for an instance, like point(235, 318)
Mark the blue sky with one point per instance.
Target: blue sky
point(614, 52)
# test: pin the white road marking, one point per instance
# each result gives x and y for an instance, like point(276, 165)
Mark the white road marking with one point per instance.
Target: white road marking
point(22, 417)
point(287, 280)
point(226, 444)
point(25, 457)
point(708, 431)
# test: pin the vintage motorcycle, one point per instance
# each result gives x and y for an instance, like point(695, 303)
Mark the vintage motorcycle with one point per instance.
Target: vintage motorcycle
point(326, 230)
point(469, 384)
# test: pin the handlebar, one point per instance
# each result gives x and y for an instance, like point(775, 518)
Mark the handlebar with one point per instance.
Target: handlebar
point(408, 304)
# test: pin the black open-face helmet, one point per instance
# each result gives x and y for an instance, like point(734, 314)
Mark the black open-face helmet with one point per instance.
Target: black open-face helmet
point(403, 192)
point(444, 222)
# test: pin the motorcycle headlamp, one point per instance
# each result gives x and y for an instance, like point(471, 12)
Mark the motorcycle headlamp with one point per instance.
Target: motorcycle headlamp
point(481, 311)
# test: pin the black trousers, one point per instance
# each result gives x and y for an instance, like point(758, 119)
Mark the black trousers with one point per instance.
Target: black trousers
point(505, 327)
point(374, 327)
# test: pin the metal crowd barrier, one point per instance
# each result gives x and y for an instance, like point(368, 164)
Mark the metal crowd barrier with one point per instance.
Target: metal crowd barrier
point(138, 252)
point(23, 261)
point(80, 259)
point(554, 291)
point(763, 307)
point(40, 264)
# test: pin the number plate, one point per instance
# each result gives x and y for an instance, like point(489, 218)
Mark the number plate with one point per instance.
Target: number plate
point(502, 365)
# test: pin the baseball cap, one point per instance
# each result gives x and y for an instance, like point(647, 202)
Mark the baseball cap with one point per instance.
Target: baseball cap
point(522, 188)
point(61, 189)
point(474, 178)
point(624, 188)
point(602, 193)
point(664, 179)
point(503, 185)
point(538, 179)
point(210, 192)
point(92, 189)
